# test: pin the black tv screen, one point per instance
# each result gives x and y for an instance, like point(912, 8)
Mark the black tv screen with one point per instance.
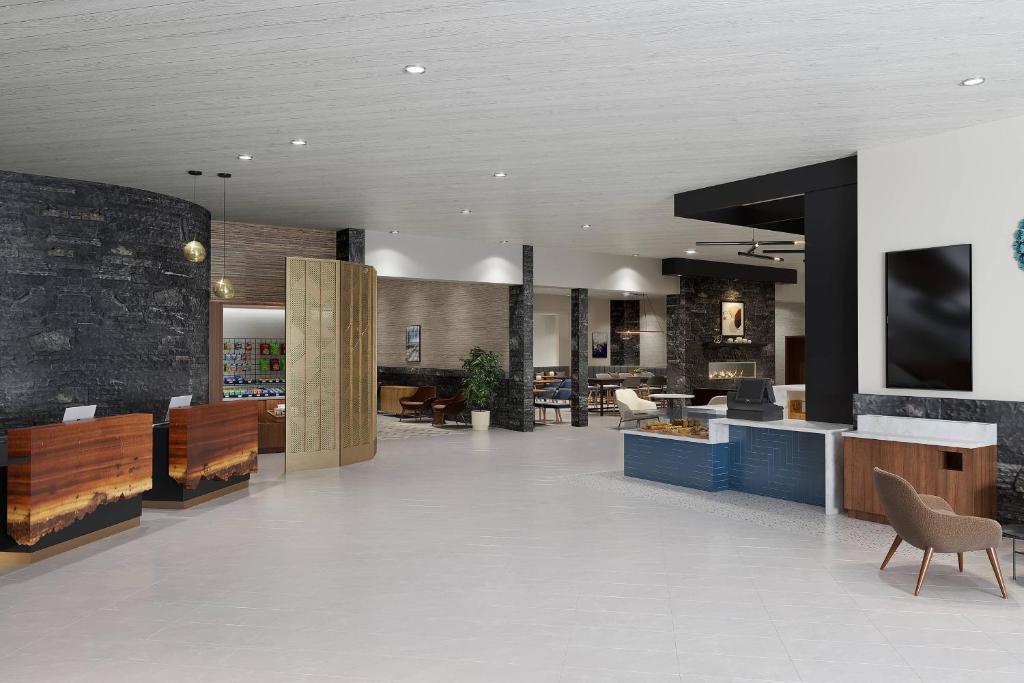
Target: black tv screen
point(928, 318)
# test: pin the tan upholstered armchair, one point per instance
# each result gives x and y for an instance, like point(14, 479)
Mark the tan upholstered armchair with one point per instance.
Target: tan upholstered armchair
point(632, 408)
point(929, 523)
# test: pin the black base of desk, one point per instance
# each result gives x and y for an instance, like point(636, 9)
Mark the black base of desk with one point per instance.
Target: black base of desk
point(165, 489)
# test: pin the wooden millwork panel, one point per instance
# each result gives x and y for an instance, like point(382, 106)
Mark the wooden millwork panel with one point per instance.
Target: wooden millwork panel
point(964, 477)
point(358, 414)
point(216, 441)
point(60, 473)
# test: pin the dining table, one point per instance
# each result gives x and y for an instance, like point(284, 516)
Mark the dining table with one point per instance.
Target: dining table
point(675, 404)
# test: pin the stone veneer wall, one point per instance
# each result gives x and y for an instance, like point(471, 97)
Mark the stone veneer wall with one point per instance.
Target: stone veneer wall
point(448, 381)
point(694, 320)
point(1008, 415)
point(624, 315)
point(453, 318)
point(99, 304)
point(514, 406)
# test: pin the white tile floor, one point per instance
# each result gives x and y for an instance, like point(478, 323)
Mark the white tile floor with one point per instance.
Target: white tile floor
point(496, 557)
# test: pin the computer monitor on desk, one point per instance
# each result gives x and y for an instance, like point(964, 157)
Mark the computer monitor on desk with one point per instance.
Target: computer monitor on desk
point(754, 399)
point(178, 402)
point(76, 413)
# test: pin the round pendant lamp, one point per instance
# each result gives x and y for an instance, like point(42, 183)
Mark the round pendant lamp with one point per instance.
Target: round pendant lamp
point(223, 287)
point(194, 251)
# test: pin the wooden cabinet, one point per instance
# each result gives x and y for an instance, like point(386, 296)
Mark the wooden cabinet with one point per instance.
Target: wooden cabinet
point(965, 477)
point(271, 427)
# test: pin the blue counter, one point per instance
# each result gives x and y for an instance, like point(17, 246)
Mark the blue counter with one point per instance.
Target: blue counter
point(787, 459)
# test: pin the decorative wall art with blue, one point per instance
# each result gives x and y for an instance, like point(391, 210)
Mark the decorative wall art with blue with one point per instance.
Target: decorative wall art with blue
point(1018, 244)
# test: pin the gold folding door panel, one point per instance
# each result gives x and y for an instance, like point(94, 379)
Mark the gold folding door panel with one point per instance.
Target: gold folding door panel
point(358, 306)
point(312, 364)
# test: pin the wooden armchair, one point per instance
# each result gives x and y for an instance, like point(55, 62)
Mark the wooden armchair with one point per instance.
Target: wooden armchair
point(418, 404)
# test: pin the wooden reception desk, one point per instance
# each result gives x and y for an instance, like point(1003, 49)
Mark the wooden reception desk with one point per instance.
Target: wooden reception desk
point(204, 452)
point(67, 484)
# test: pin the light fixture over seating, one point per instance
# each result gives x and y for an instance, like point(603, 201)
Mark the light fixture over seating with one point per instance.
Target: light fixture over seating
point(194, 250)
point(645, 306)
point(223, 287)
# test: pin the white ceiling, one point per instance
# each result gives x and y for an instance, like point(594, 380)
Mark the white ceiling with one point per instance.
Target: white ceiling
point(599, 110)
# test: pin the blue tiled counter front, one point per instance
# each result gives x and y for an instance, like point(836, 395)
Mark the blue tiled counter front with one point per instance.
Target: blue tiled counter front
point(673, 460)
point(787, 459)
point(778, 464)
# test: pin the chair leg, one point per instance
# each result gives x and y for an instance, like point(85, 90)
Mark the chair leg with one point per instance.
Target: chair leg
point(960, 561)
point(925, 562)
point(892, 551)
point(994, 559)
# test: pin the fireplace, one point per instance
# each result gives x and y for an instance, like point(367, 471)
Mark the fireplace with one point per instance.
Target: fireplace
point(732, 369)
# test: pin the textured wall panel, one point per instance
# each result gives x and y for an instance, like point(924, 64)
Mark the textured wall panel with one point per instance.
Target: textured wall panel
point(453, 316)
point(98, 304)
point(256, 256)
point(702, 466)
point(624, 315)
point(312, 367)
point(777, 463)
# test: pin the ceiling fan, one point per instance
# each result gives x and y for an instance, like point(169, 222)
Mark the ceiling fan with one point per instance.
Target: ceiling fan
point(754, 244)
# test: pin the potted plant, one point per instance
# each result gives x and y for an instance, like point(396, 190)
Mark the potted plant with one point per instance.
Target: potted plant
point(483, 373)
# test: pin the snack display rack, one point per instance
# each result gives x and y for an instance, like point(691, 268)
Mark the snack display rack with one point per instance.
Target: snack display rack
point(254, 367)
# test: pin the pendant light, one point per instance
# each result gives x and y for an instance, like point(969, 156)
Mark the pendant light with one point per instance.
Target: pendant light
point(223, 287)
point(194, 250)
point(645, 306)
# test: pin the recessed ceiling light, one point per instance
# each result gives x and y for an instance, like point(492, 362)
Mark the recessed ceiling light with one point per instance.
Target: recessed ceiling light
point(500, 174)
point(636, 254)
point(973, 80)
point(415, 69)
point(466, 212)
point(299, 142)
point(586, 226)
point(691, 252)
point(394, 232)
point(245, 157)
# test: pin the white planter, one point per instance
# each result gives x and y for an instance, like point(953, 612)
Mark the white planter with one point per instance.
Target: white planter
point(481, 420)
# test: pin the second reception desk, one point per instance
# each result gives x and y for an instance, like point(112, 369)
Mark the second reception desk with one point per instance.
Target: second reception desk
point(203, 452)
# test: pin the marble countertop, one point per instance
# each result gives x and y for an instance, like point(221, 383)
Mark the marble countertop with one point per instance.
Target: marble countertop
point(691, 439)
point(788, 425)
point(928, 440)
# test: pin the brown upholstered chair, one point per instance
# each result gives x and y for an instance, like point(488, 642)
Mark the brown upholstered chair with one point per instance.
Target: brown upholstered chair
point(929, 523)
point(419, 403)
point(454, 407)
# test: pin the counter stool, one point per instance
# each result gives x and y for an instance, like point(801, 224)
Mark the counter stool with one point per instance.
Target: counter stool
point(1015, 532)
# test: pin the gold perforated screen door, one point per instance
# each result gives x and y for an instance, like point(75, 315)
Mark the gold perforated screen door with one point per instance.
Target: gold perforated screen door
point(358, 307)
point(312, 367)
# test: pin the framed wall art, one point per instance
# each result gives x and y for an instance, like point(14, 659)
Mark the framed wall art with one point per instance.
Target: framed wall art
point(599, 345)
point(732, 319)
point(412, 344)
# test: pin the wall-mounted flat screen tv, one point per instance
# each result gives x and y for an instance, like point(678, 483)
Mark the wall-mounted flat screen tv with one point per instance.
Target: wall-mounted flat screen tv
point(928, 318)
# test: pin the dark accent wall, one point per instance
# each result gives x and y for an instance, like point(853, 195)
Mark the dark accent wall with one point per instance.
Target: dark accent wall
point(514, 409)
point(351, 245)
point(694, 320)
point(99, 304)
point(448, 381)
point(579, 356)
point(624, 315)
point(1008, 415)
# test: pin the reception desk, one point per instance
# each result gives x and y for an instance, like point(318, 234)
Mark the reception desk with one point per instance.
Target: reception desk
point(789, 459)
point(203, 452)
point(67, 484)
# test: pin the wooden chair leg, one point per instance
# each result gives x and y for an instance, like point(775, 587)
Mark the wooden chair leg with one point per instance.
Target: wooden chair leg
point(960, 561)
point(994, 559)
point(892, 551)
point(925, 562)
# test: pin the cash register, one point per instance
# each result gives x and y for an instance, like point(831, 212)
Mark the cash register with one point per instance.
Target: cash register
point(754, 399)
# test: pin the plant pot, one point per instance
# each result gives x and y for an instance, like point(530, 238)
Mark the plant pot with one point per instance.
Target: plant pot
point(481, 420)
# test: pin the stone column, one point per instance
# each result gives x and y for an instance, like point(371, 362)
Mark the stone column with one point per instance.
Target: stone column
point(517, 413)
point(351, 245)
point(579, 343)
point(675, 341)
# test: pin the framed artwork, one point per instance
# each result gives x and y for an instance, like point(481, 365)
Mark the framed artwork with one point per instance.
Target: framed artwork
point(732, 319)
point(599, 345)
point(412, 344)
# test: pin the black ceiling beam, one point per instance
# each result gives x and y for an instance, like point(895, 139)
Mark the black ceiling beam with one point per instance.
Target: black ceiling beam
point(782, 215)
point(772, 186)
point(734, 271)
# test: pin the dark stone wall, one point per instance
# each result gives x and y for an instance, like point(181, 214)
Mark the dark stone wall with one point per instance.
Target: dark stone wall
point(624, 315)
point(350, 245)
point(99, 304)
point(1008, 415)
point(579, 344)
point(447, 381)
point(694, 321)
point(514, 409)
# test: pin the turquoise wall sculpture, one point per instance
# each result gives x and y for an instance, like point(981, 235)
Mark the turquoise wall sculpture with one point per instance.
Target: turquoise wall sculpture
point(1018, 244)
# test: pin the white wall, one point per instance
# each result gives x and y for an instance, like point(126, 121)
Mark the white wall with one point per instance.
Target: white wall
point(653, 350)
point(789, 322)
point(545, 340)
point(436, 258)
point(254, 322)
point(576, 268)
point(965, 186)
point(560, 306)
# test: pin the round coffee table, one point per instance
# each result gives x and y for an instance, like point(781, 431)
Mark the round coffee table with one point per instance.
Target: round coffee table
point(676, 404)
point(1015, 532)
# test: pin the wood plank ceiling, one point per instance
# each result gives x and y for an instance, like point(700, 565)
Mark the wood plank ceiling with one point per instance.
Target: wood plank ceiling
point(599, 110)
